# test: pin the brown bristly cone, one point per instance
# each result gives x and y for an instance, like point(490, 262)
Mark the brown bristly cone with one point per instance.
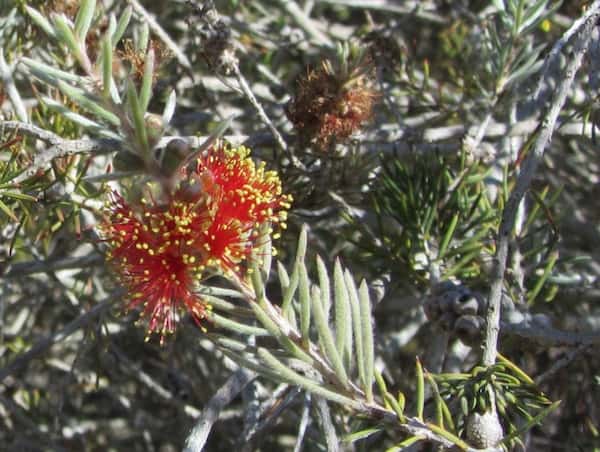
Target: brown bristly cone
point(332, 103)
point(136, 58)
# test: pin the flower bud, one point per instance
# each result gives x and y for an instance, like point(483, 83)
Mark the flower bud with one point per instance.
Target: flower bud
point(127, 161)
point(171, 157)
point(155, 127)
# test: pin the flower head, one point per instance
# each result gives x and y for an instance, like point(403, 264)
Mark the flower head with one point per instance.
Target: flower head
point(160, 248)
point(334, 101)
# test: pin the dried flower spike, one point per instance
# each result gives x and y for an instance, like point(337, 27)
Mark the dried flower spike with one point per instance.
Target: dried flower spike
point(333, 101)
point(160, 248)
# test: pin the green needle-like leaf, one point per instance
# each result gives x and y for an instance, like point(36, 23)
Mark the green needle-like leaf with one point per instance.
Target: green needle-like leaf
point(326, 337)
point(304, 299)
point(147, 78)
point(65, 34)
point(137, 115)
point(420, 389)
point(84, 19)
point(106, 67)
point(88, 103)
point(41, 21)
point(367, 338)
point(308, 384)
point(324, 286)
point(234, 326)
point(343, 316)
point(50, 74)
point(121, 26)
point(356, 327)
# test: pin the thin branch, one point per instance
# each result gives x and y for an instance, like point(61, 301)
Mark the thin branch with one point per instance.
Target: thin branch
point(31, 267)
point(441, 140)
point(199, 435)
point(269, 411)
point(544, 134)
point(333, 444)
point(304, 22)
point(304, 422)
point(162, 34)
point(420, 9)
point(549, 337)
point(258, 107)
point(146, 379)
point(553, 55)
point(563, 362)
point(22, 360)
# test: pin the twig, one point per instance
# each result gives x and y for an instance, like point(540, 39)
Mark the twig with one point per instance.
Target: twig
point(304, 421)
point(549, 337)
point(522, 184)
point(333, 444)
point(162, 34)
point(560, 43)
point(146, 379)
point(269, 412)
point(418, 9)
point(44, 344)
point(258, 107)
point(197, 438)
point(28, 268)
point(442, 140)
point(563, 362)
point(304, 22)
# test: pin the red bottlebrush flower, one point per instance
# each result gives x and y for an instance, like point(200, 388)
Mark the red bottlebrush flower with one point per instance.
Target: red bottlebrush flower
point(209, 224)
point(239, 189)
point(153, 258)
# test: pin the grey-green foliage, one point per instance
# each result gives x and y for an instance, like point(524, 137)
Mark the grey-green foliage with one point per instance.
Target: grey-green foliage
point(97, 92)
point(323, 330)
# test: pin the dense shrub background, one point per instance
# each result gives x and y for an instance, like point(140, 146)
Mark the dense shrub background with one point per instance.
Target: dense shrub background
point(412, 199)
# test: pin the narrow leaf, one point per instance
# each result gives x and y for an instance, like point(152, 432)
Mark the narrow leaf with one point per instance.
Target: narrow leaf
point(326, 337)
point(84, 19)
point(141, 43)
point(449, 436)
point(288, 375)
point(146, 88)
point(356, 326)
point(343, 316)
point(92, 105)
point(304, 299)
point(8, 212)
point(276, 332)
point(290, 291)
point(420, 389)
point(121, 26)
point(138, 118)
point(234, 326)
point(540, 282)
point(265, 250)
point(448, 235)
point(324, 286)
point(210, 140)
point(367, 338)
point(76, 117)
point(169, 108)
point(106, 67)
point(41, 21)
point(49, 73)
point(362, 434)
point(406, 443)
point(64, 33)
